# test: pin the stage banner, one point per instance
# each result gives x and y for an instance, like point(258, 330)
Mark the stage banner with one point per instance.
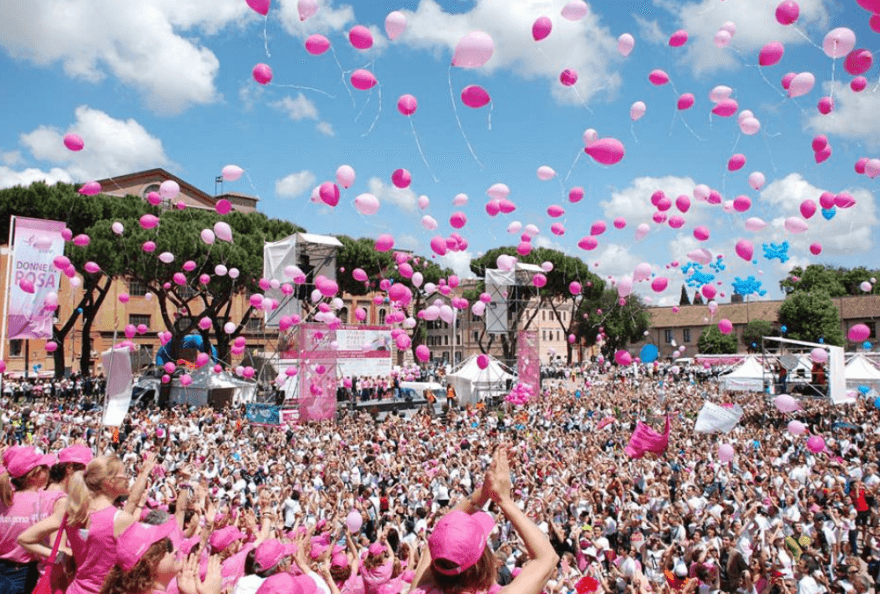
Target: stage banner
point(117, 366)
point(35, 279)
point(528, 365)
point(262, 414)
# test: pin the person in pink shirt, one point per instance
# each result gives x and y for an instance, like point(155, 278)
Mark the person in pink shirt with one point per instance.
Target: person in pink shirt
point(93, 524)
point(21, 507)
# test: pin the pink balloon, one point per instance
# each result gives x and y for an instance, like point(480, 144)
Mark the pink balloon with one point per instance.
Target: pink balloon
point(149, 246)
point(725, 453)
point(541, 28)
point(742, 203)
point(395, 24)
point(858, 61)
point(83, 240)
point(149, 221)
point(819, 142)
point(422, 353)
point(796, 428)
point(91, 188)
point(676, 222)
point(360, 37)
point(575, 195)
point(401, 178)
point(475, 96)
point(588, 243)
point(826, 200)
point(458, 220)
point(345, 176)
point(685, 101)
point(808, 208)
point(317, 44)
point(756, 180)
point(786, 80)
point(736, 162)
point(307, 9)
point(815, 248)
point(363, 80)
point(568, 77)
point(659, 284)
point(658, 77)
point(839, 42)
point(482, 361)
point(701, 233)
point(366, 204)
point(555, 211)
point(678, 39)
point(384, 243)
point(27, 286)
point(260, 6)
point(262, 73)
point(359, 274)
point(815, 444)
point(787, 12)
point(619, 223)
point(725, 108)
point(623, 358)
point(329, 193)
point(407, 105)
point(795, 225)
point(844, 200)
point(598, 228)
point(825, 105)
point(625, 44)
point(607, 151)
point(745, 250)
point(683, 203)
point(73, 142)
point(771, 54)
point(801, 84)
point(473, 50)
point(858, 333)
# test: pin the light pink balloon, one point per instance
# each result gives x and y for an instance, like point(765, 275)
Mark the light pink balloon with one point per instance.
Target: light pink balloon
point(473, 50)
point(642, 231)
point(637, 110)
point(795, 225)
point(625, 44)
point(429, 222)
point(345, 176)
point(360, 37)
point(423, 202)
point(366, 204)
point(756, 180)
point(541, 28)
point(317, 44)
point(223, 231)
point(307, 9)
point(575, 10)
point(475, 96)
point(363, 80)
point(801, 84)
point(395, 24)
point(839, 42)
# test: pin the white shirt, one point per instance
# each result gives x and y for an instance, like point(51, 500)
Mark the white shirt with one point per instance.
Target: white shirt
point(249, 584)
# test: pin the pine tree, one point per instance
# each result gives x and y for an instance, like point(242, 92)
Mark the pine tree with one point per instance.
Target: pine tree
point(684, 300)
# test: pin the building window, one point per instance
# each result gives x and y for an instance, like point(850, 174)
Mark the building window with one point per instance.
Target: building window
point(668, 336)
point(150, 188)
point(137, 288)
point(185, 292)
point(343, 315)
point(476, 336)
point(458, 339)
point(15, 348)
point(138, 319)
point(254, 324)
point(686, 335)
point(446, 340)
point(543, 319)
point(382, 314)
point(544, 335)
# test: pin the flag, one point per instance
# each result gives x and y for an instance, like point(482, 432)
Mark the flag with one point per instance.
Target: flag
point(644, 439)
point(117, 366)
point(33, 287)
point(714, 418)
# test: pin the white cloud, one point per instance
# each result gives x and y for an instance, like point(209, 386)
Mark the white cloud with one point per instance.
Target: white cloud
point(326, 128)
point(755, 22)
point(295, 184)
point(389, 194)
point(249, 94)
point(328, 19)
point(10, 178)
point(459, 262)
point(634, 202)
point(649, 30)
point(11, 158)
point(112, 146)
point(299, 108)
point(850, 231)
point(850, 117)
point(407, 241)
point(140, 43)
point(586, 46)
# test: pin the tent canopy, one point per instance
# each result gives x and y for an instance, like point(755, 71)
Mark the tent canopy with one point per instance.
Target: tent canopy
point(204, 380)
point(748, 377)
point(472, 383)
point(861, 372)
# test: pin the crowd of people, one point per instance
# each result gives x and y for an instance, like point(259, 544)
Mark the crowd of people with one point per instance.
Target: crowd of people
point(534, 498)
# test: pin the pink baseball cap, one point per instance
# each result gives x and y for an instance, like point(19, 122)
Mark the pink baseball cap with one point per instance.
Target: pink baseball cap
point(20, 460)
point(269, 554)
point(78, 454)
point(139, 537)
point(225, 537)
point(285, 583)
point(339, 560)
point(460, 539)
point(376, 549)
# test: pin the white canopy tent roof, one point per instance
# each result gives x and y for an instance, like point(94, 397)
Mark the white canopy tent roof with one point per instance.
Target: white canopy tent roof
point(861, 372)
point(748, 377)
point(836, 367)
point(472, 383)
point(204, 380)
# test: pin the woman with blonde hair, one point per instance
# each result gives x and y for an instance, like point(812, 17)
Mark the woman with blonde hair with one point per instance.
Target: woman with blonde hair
point(21, 482)
point(91, 521)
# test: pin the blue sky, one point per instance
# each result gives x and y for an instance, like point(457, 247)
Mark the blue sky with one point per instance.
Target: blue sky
point(168, 83)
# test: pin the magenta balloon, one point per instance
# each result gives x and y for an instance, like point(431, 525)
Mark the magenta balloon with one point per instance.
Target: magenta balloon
point(555, 211)
point(736, 162)
point(859, 333)
point(786, 80)
point(524, 248)
point(598, 228)
point(557, 229)
point(683, 203)
point(701, 233)
point(844, 200)
point(262, 73)
point(179, 278)
point(825, 105)
point(541, 28)
point(808, 208)
point(874, 23)
point(473, 50)
point(576, 194)
point(493, 207)
point(745, 250)
point(407, 105)
point(401, 178)
point(771, 54)
point(588, 243)
point(623, 358)
point(676, 222)
point(815, 444)
point(458, 220)
point(787, 12)
point(742, 203)
point(815, 248)
point(223, 207)
point(359, 274)
point(539, 280)
point(678, 39)
point(149, 246)
point(329, 193)
point(91, 188)
point(422, 353)
point(664, 204)
point(607, 151)
point(725, 108)
point(708, 292)
point(659, 284)
point(260, 6)
point(506, 206)
point(438, 245)
point(686, 101)
point(568, 77)
point(73, 142)
point(360, 37)
point(482, 361)
point(317, 44)
point(858, 61)
point(658, 77)
point(363, 80)
point(384, 243)
point(575, 288)
point(475, 96)
point(819, 142)
point(149, 221)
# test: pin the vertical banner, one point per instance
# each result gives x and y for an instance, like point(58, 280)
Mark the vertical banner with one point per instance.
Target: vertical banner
point(117, 366)
point(528, 365)
point(36, 243)
point(317, 373)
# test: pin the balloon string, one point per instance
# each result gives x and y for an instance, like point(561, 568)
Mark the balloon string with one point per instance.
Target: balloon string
point(364, 108)
point(378, 113)
point(632, 130)
point(322, 92)
point(804, 35)
point(576, 159)
point(342, 76)
point(419, 146)
point(833, 69)
point(455, 111)
point(489, 116)
point(266, 37)
point(770, 84)
point(581, 99)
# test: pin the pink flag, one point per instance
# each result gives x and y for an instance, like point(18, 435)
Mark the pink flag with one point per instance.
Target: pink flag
point(644, 439)
point(35, 245)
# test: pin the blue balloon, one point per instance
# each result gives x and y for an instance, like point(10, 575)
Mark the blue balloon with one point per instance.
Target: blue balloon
point(829, 213)
point(877, 402)
point(864, 389)
point(821, 341)
point(79, 310)
point(867, 345)
point(648, 353)
point(784, 328)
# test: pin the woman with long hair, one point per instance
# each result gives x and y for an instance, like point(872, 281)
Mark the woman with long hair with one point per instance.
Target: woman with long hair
point(21, 484)
point(93, 523)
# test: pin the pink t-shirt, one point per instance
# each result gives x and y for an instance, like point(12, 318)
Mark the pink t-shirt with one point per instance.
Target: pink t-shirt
point(25, 511)
point(94, 549)
point(49, 501)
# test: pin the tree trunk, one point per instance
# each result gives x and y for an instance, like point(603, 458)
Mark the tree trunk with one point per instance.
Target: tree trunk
point(89, 313)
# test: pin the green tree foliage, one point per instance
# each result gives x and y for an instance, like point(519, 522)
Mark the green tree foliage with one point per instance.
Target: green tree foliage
point(754, 332)
point(555, 295)
point(836, 282)
point(713, 342)
point(810, 316)
point(621, 324)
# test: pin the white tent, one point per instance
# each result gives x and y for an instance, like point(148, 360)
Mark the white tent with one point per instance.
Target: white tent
point(748, 377)
point(861, 372)
point(472, 383)
point(205, 381)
